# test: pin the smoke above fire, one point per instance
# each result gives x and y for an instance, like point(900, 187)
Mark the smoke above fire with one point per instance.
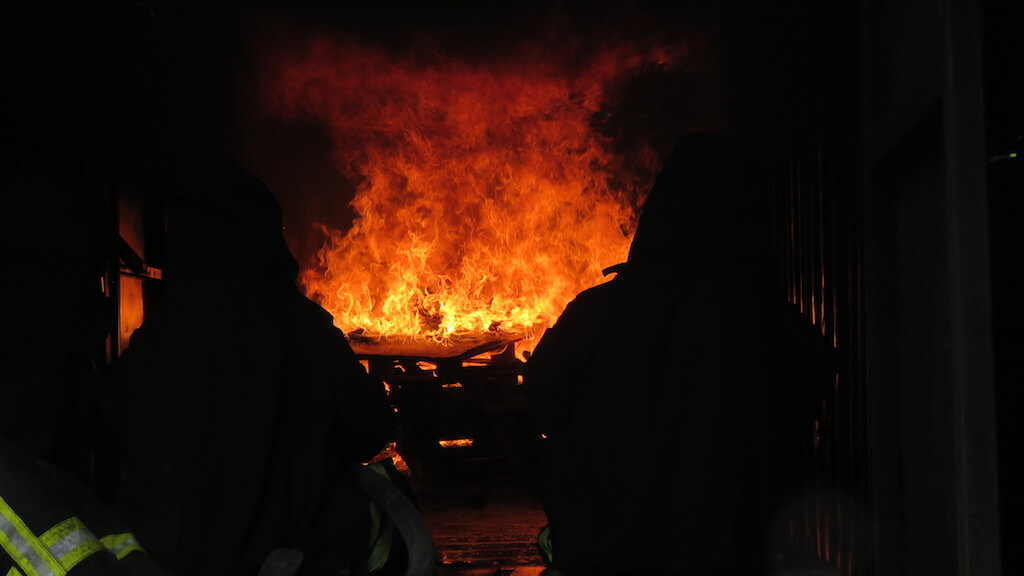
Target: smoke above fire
point(489, 191)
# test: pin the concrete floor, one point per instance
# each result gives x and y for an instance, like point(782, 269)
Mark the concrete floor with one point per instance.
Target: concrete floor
point(485, 527)
point(483, 523)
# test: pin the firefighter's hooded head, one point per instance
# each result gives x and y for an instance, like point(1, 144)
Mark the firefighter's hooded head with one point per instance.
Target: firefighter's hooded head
point(705, 210)
point(224, 220)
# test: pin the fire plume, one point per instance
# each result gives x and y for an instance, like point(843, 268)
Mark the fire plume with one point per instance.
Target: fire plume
point(488, 194)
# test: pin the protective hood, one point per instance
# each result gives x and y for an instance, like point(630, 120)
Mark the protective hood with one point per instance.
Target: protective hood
point(224, 220)
point(704, 209)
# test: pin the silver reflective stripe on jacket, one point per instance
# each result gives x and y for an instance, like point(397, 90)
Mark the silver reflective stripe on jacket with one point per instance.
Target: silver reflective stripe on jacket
point(70, 542)
point(55, 553)
point(27, 552)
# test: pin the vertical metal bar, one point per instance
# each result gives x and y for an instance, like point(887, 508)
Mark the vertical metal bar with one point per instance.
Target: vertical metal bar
point(974, 438)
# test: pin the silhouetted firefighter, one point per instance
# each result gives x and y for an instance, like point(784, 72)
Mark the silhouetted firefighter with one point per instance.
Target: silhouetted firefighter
point(243, 414)
point(649, 387)
point(53, 249)
point(241, 420)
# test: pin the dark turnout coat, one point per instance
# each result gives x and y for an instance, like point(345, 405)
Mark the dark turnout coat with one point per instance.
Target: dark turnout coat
point(53, 249)
point(648, 387)
point(241, 409)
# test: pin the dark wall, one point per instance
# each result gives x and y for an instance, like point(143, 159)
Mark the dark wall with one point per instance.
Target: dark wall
point(1004, 91)
point(874, 120)
point(133, 93)
point(794, 95)
point(929, 331)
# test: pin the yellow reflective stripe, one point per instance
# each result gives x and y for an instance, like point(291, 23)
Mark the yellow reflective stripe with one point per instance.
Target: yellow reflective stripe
point(381, 530)
point(121, 545)
point(544, 542)
point(11, 545)
point(375, 514)
point(70, 542)
point(381, 548)
point(375, 517)
point(62, 529)
point(380, 470)
point(31, 555)
point(13, 572)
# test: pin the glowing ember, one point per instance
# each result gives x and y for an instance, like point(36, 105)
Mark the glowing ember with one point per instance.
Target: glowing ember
point(457, 443)
point(487, 195)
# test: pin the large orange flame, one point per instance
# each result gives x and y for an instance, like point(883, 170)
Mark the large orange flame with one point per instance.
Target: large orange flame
point(487, 195)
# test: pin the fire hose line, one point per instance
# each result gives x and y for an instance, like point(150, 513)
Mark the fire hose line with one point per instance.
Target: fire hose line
point(405, 518)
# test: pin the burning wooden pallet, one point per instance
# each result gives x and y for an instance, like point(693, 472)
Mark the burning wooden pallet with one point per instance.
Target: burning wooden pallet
point(455, 349)
point(460, 407)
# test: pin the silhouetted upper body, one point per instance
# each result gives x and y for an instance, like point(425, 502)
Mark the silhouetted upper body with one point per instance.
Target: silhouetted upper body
point(241, 407)
point(648, 385)
point(53, 248)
